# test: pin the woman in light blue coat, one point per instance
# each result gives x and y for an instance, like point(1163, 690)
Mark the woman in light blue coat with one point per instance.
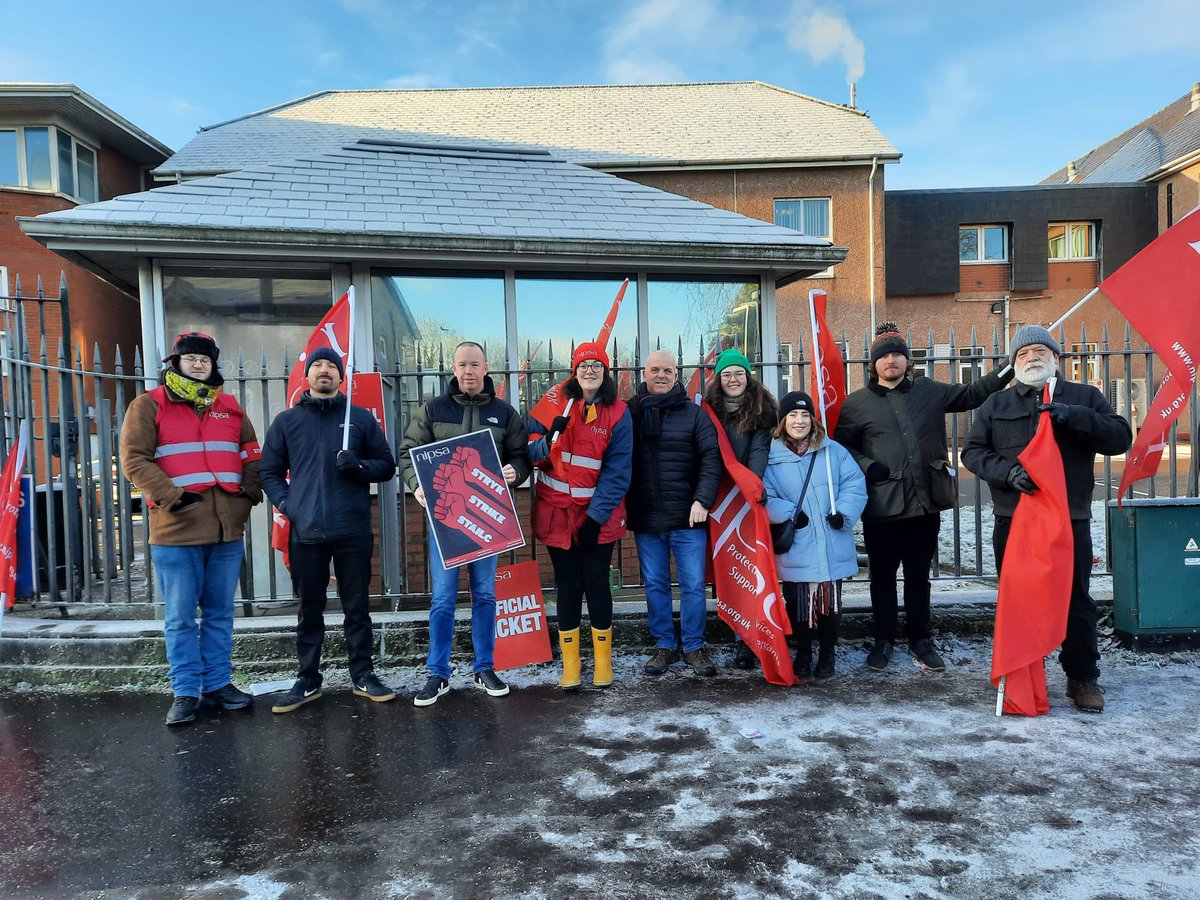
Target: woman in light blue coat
point(823, 553)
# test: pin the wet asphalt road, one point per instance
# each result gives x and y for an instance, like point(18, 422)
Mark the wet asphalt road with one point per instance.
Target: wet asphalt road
point(894, 785)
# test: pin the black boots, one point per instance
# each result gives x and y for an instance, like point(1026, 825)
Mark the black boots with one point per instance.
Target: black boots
point(826, 634)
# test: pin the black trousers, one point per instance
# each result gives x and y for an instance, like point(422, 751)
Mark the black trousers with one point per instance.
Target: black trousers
point(910, 543)
point(1080, 655)
point(351, 557)
point(825, 629)
point(579, 572)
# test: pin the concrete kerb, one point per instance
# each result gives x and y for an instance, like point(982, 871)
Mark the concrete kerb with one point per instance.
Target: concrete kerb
point(106, 654)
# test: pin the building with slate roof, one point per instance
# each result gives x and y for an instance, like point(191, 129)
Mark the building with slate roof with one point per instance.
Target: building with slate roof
point(61, 148)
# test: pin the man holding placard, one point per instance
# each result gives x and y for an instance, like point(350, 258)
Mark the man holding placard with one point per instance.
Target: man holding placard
point(469, 405)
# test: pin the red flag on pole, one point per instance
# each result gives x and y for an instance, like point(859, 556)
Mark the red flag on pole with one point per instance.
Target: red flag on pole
point(743, 565)
point(828, 382)
point(10, 496)
point(696, 384)
point(1158, 291)
point(1035, 580)
point(333, 331)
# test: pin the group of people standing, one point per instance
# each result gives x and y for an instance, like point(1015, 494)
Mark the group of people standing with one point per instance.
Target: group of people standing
point(652, 465)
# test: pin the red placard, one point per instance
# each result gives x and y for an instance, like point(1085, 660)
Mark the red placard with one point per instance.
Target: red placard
point(522, 636)
point(470, 507)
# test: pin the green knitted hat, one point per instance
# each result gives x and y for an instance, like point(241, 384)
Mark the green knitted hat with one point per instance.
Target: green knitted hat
point(732, 357)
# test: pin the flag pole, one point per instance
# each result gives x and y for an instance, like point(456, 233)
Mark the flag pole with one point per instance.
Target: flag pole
point(818, 367)
point(349, 371)
point(1000, 696)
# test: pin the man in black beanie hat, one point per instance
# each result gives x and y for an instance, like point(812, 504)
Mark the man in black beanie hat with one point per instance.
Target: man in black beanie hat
point(896, 429)
point(198, 501)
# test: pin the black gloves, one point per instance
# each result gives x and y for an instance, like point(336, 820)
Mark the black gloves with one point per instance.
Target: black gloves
point(189, 498)
point(589, 532)
point(878, 473)
point(800, 519)
point(836, 521)
point(557, 427)
point(1018, 479)
point(348, 461)
point(1060, 413)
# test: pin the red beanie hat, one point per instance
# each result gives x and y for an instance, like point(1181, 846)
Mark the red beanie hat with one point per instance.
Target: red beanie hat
point(586, 351)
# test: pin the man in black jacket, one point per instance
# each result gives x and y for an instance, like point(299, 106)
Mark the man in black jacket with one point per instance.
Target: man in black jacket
point(676, 472)
point(896, 429)
point(469, 404)
point(328, 501)
point(1084, 425)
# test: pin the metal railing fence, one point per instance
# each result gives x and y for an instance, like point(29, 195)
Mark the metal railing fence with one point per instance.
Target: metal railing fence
point(92, 537)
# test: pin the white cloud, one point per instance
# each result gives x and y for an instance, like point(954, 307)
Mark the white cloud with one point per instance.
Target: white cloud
point(414, 80)
point(825, 33)
point(656, 39)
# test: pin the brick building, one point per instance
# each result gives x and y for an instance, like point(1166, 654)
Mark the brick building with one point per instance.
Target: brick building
point(61, 148)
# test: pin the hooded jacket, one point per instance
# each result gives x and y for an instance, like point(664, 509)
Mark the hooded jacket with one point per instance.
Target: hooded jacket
point(820, 552)
point(323, 503)
point(904, 428)
point(454, 414)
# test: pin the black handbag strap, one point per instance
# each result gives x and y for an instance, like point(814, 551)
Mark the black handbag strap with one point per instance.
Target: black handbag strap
point(804, 490)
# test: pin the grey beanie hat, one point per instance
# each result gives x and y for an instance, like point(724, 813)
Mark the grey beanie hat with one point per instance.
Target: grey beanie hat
point(1032, 334)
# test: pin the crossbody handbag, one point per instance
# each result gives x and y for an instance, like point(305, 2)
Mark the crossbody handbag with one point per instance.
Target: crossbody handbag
point(783, 534)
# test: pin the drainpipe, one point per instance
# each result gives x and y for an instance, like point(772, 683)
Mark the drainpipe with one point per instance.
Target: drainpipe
point(871, 219)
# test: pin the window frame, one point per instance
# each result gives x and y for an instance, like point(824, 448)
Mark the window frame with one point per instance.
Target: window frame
point(979, 244)
point(828, 201)
point(54, 135)
point(1069, 244)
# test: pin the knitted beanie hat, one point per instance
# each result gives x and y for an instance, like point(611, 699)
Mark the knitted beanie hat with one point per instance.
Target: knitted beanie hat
point(587, 351)
point(795, 400)
point(326, 353)
point(1032, 334)
point(888, 340)
point(195, 342)
point(732, 357)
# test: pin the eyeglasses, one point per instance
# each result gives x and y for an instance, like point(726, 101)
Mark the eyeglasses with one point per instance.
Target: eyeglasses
point(733, 375)
point(194, 359)
point(590, 367)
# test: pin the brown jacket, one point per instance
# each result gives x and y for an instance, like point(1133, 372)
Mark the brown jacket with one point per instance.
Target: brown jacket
point(219, 516)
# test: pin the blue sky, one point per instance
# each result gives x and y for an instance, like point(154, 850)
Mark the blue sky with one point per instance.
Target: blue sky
point(973, 94)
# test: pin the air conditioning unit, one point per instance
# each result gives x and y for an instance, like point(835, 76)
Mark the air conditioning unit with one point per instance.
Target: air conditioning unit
point(1129, 403)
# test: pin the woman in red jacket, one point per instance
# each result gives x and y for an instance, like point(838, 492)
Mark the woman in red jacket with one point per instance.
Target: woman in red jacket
point(582, 468)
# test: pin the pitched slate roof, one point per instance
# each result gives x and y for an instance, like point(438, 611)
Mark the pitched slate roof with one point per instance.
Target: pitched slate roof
point(1143, 151)
point(606, 126)
point(401, 199)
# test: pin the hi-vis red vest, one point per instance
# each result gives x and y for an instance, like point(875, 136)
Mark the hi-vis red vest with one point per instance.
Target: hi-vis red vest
point(583, 445)
point(198, 452)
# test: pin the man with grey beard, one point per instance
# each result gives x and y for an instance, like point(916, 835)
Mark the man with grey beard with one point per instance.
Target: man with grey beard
point(1084, 425)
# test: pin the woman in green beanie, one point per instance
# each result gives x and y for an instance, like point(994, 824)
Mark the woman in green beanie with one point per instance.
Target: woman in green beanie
point(749, 413)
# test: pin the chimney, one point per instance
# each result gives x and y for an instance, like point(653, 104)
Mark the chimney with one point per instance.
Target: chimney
point(1072, 174)
point(854, 95)
point(1195, 97)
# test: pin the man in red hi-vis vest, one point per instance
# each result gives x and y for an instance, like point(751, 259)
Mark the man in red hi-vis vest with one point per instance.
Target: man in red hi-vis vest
point(192, 452)
point(1084, 424)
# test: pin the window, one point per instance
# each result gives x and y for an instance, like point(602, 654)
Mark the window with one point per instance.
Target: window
point(1071, 240)
point(970, 364)
point(809, 216)
point(48, 159)
point(786, 370)
point(982, 244)
point(1085, 363)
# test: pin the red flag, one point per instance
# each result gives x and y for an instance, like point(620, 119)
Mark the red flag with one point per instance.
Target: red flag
point(827, 364)
point(1158, 291)
point(554, 402)
point(698, 382)
point(10, 497)
point(332, 331)
point(743, 565)
point(1035, 581)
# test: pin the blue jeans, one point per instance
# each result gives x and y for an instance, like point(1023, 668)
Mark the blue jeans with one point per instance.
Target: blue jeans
point(689, 547)
point(205, 576)
point(482, 577)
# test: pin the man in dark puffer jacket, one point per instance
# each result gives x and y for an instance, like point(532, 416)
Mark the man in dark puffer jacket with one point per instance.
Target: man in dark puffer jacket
point(328, 501)
point(676, 472)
